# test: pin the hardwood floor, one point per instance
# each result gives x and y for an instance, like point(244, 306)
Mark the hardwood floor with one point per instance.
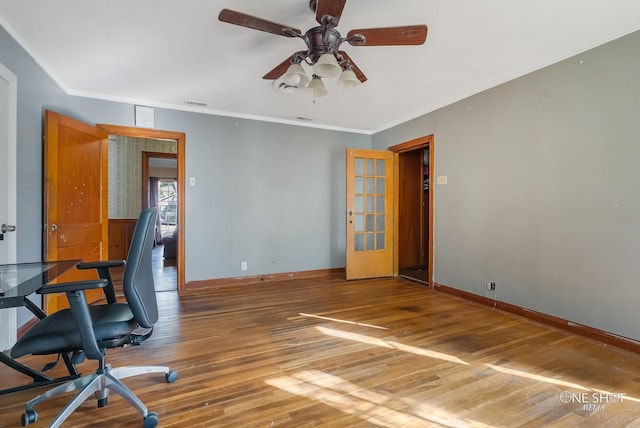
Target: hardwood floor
point(165, 273)
point(371, 353)
point(419, 274)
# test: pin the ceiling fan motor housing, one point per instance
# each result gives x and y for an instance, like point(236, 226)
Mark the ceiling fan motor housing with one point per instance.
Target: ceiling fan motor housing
point(322, 40)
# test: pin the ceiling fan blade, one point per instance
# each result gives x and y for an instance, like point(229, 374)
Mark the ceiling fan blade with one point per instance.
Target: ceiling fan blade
point(329, 11)
point(278, 71)
point(244, 20)
point(391, 36)
point(359, 74)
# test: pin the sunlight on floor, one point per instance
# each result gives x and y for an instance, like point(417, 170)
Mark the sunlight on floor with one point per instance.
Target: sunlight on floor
point(386, 409)
point(341, 321)
point(362, 338)
point(374, 407)
point(559, 382)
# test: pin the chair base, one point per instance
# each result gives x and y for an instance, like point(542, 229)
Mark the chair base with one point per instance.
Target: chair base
point(99, 384)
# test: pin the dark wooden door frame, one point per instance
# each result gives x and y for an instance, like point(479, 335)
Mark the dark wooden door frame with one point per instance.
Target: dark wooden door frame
point(420, 144)
point(180, 138)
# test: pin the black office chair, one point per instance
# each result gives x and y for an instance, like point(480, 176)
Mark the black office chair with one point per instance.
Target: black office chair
point(91, 329)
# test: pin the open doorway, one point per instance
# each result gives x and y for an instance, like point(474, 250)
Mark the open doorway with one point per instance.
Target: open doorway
point(142, 174)
point(415, 209)
point(160, 189)
point(169, 145)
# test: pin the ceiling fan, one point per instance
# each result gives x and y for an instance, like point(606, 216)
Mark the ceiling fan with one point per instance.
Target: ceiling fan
point(323, 46)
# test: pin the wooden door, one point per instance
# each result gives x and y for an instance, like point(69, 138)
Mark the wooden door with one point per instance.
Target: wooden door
point(370, 213)
point(410, 210)
point(75, 198)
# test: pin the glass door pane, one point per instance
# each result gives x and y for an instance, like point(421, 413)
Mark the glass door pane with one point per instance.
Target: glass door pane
point(369, 190)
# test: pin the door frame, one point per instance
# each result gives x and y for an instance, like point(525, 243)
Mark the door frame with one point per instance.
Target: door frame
point(11, 162)
point(407, 146)
point(180, 138)
point(8, 317)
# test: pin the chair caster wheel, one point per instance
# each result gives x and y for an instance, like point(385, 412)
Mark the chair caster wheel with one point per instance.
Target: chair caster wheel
point(102, 402)
point(29, 417)
point(171, 376)
point(151, 420)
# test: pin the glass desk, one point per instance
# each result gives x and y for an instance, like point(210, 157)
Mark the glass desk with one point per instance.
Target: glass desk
point(17, 281)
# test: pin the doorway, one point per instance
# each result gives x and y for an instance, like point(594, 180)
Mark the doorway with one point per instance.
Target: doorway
point(415, 209)
point(155, 139)
point(160, 189)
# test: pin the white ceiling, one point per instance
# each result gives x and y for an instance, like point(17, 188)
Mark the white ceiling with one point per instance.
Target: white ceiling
point(163, 53)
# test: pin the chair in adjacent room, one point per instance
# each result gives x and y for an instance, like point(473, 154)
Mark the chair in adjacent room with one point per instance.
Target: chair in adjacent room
point(89, 330)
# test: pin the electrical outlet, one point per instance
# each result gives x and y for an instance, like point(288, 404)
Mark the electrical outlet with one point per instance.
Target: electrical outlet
point(244, 266)
point(491, 285)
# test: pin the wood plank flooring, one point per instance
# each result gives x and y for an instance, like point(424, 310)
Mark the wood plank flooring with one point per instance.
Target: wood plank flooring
point(165, 273)
point(371, 353)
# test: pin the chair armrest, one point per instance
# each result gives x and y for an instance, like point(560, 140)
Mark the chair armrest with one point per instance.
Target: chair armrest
point(101, 264)
point(80, 310)
point(104, 272)
point(73, 286)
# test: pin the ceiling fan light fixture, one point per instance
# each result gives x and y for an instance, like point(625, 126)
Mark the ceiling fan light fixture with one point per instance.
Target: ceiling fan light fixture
point(295, 76)
point(348, 80)
point(317, 88)
point(327, 66)
point(323, 43)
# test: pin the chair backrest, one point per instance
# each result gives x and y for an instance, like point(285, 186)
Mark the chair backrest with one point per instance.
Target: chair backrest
point(137, 280)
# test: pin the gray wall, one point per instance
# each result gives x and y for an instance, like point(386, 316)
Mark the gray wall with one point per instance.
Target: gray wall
point(543, 189)
point(269, 194)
